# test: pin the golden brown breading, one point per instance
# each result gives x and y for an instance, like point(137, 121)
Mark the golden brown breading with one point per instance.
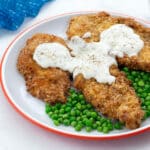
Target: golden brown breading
point(118, 100)
point(51, 84)
point(96, 23)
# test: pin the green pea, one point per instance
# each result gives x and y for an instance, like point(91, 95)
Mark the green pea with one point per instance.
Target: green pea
point(93, 114)
point(125, 69)
point(68, 109)
point(105, 129)
point(60, 120)
point(141, 83)
point(88, 129)
point(62, 110)
point(85, 111)
point(77, 112)
point(54, 116)
point(118, 125)
point(99, 129)
point(143, 94)
point(65, 116)
point(147, 98)
point(48, 109)
point(134, 73)
point(56, 122)
point(74, 102)
point(84, 121)
point(81, 97)
point(110, 126)
point(78, 118)
point(79, 106)
point(98, 123)
point(63, 106)
point(74, 96)
point(58, 105)
point(50, 114)
point(78, 127)
point(66, 122)
point(89, 106)
point(72, 118)
point(56, 111)
point(88, 123)
point(88, 113)
point(94, 126)
point(73, 123)
point(148, 107)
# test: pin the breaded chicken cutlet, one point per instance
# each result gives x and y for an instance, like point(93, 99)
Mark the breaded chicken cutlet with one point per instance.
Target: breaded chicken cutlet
point(51, 84)
point(96, 23)
point(117, 101)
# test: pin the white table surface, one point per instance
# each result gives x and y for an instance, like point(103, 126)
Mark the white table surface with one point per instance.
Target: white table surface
point(16, 133)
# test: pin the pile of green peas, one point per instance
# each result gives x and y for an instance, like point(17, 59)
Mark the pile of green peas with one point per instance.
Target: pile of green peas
point(79, 114)
point(141, 83)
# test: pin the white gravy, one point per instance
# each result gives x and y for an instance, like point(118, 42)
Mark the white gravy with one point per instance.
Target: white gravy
point(93, 59)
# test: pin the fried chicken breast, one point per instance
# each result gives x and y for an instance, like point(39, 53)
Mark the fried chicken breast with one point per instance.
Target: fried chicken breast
point(51, 84)
point(96, 23)
point(117, 101)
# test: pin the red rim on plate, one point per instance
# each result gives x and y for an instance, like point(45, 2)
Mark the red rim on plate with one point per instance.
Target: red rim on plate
point(49, 128)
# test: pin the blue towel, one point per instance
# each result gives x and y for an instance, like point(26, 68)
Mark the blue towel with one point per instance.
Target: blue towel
point(13, 12)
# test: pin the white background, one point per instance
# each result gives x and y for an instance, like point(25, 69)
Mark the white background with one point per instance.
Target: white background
point(16, 133)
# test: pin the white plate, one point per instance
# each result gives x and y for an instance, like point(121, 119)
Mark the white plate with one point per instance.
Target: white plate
point(13, 84)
